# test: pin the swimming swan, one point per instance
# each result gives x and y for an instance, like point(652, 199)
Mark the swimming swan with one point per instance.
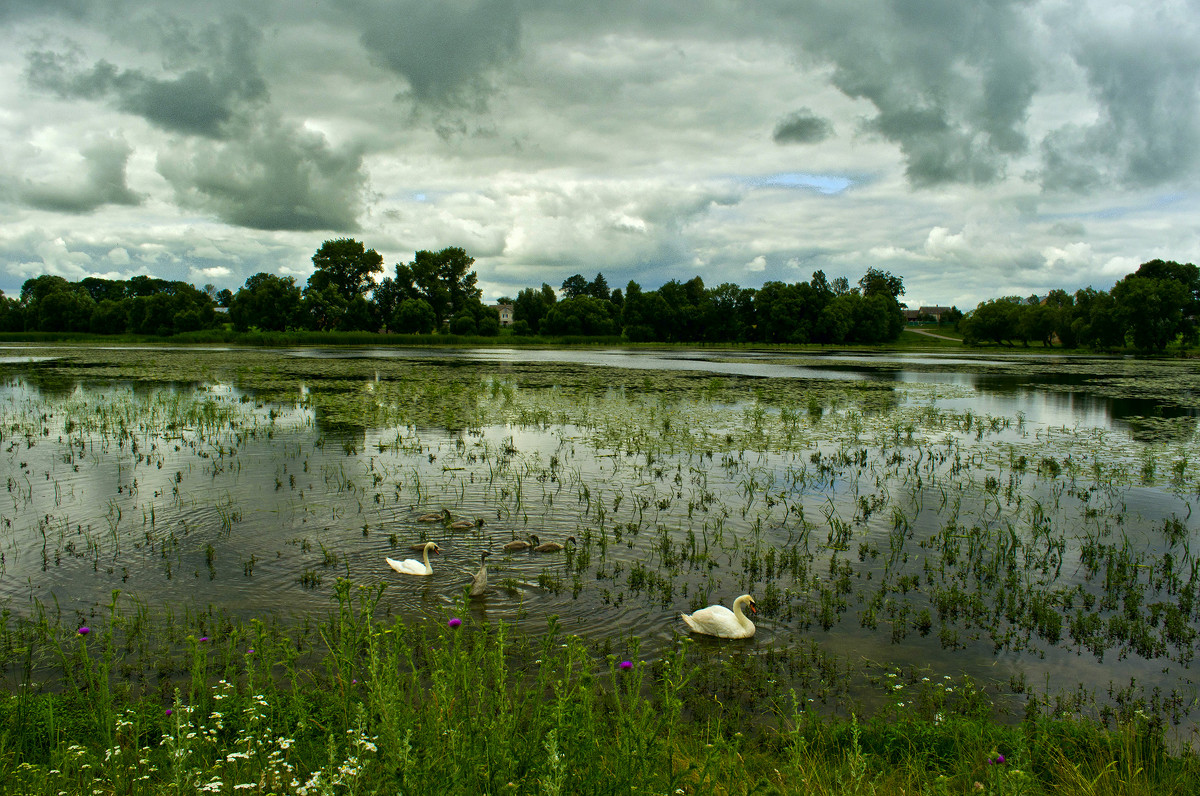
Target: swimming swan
point(479, 579)
point(552, 547)
point(441, 516)
point(717, 620)
point(411, 566)
point(462, 525)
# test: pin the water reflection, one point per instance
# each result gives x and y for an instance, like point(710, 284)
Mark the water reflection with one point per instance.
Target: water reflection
point(1029, 385)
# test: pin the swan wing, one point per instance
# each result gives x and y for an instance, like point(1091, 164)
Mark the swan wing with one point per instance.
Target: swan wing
point(409, 566)
point(715, 620)
point(478, 582)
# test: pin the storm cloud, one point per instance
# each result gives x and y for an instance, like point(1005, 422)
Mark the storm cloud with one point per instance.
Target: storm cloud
point(271, 176)
point(961, 144)
point(442, 49)
point(100, 181)
point(198, 101)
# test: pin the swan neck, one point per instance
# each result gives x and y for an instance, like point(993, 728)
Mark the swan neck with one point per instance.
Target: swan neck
point(739, 614)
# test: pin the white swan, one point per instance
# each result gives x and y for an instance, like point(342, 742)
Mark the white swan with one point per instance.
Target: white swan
point(479, 579)
point(441, 516)
point(411, 566)
point(462, 525)
point(717, 620)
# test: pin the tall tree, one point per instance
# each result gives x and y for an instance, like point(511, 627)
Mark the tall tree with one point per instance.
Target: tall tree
point(531, 306)
point(347, 266)
point(598, 288)
point(881, 283)
point(574, 286)
point(443, 279)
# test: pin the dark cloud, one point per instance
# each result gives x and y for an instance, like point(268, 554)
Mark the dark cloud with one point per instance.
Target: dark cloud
point(802, 127)
point(444, 49)
point(102, 182)
point(951, 80)
point(1147, 88)
point(270, 175)
point(22, 9)
point(199, 101)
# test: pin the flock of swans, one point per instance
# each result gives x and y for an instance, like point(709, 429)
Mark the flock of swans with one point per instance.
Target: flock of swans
point(715, 620)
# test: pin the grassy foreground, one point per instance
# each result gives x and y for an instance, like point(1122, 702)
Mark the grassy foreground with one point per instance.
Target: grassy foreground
point(458, 706)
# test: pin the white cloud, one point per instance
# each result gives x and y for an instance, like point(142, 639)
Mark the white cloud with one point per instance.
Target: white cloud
point(759, 263)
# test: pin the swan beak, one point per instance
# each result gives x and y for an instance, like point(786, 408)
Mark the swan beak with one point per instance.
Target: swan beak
point(753, 608)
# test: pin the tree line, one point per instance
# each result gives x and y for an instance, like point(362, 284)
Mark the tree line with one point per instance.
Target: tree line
point(1156, 306)
point(438, 292)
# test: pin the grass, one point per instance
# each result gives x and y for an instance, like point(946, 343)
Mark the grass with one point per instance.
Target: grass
point(366, 704)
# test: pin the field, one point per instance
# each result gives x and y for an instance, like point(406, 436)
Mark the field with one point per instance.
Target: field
point(965, 556)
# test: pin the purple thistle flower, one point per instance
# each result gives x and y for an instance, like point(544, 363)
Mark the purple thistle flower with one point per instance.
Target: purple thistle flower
point(626, 664)
point(250, 651)
point(83, 631)
point(169, 711)
point(454, 622)
point(203, 639)
point(999, 759)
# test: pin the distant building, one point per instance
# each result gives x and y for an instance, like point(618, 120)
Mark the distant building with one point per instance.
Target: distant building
point(934, 312)
point(506, 313)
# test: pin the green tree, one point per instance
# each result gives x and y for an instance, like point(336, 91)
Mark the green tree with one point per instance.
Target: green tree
point(531, 306)
point(574, 286)
point(1094, 323)
point(442, 278)
point(66, 310)
point(787, 313)
point(323, 308)
point(728, 313)
point(101, 289)
point(598, 288)
point(1151, 311)
point(347, 266)
point(582, 315)
point(1037, 322)
point(997, 321)
point(414, 316)
point(881, 283)
point(268, 302)
point(110, 317)
point(12, 315)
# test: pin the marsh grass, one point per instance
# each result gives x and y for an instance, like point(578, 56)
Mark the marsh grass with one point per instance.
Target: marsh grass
point(362, 704)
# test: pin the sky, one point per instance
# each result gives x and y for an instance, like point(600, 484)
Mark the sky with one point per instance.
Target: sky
point(976, 148)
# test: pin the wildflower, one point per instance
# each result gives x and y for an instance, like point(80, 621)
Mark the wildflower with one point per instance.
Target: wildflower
point(169, 711)
point(250, 651)
point(626, 664)
point(83, 631)
point(203, 639)
point(454, 622)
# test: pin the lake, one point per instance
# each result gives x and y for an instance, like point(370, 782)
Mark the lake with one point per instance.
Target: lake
point(1022, 519)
